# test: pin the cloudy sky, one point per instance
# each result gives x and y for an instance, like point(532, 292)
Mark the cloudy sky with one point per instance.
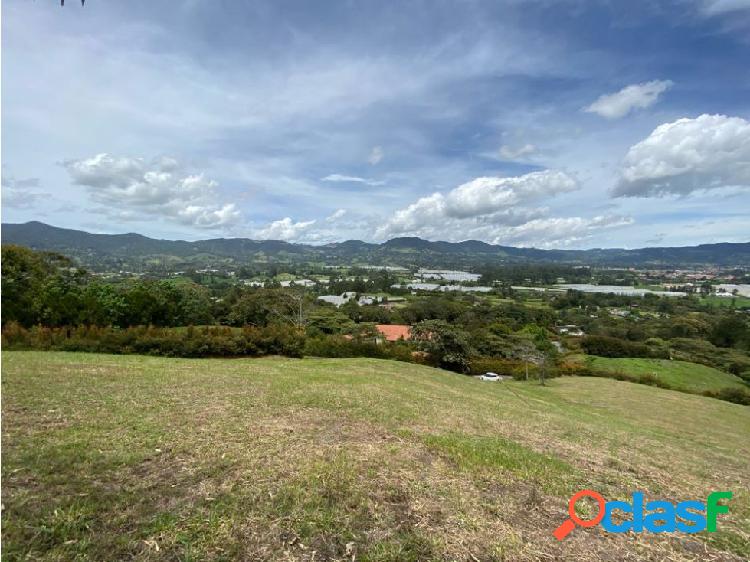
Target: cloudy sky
point(569, 123)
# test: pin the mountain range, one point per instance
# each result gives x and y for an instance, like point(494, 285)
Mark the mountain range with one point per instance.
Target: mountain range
point(94, 250)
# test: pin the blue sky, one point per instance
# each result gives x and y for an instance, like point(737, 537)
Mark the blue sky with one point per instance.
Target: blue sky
point(569, 123)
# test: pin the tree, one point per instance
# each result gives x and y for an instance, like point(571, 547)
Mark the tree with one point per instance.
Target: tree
point(102, 305)
point(292, 308)
point(328, 320)
point(252, 308)
point(23, 274)
point(447, 345)
point(194, 304)
point(260, 307)
point(61, 299)
point(541, 350)
point(729, 331)
point(39, 286)
point(150, 302)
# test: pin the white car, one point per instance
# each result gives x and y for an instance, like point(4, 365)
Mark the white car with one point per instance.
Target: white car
point(489, 376)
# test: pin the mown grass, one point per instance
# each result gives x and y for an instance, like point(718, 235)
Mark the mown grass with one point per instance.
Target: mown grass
point(145, 458)
point(679, 375)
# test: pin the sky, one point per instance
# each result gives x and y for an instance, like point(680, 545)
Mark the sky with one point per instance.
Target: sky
point(536, 123)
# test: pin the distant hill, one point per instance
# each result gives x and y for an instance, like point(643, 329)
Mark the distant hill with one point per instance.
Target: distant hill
point(98, 249)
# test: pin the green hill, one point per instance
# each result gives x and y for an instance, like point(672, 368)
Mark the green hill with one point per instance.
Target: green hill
point(680, 375)
point(144, 458)
point(95, 249)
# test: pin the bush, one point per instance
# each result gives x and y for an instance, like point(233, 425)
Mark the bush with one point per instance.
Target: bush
point(338, 346)
point(212, 341)
point(700, 351)
point(606, 346)
point(499, 365)
point(731, 394)
point(585, 370)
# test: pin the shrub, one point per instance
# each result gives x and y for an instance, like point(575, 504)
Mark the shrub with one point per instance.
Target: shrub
point(606, 346)
point(645, 378)
point(704, 352)
point(499, 365)
point(338, 346)
point(213, 341)
point(730, 394)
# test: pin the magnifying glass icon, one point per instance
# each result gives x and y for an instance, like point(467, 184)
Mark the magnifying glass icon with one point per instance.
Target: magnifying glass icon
point(569, 524)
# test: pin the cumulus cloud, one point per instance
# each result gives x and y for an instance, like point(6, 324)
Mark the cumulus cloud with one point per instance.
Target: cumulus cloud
point(376, 155)
point(481, 197)
point(636, 96)
point(350, 179)
point(284, 229)
point(496, 210)
point(708, 152)
point(510, 153)
point(20, 193)
point(137, 188)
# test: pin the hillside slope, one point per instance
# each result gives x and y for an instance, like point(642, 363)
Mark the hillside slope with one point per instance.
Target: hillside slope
point(92, 248)
point(112, 457)
point(680, 375)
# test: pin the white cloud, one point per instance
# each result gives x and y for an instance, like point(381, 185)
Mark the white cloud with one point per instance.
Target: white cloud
point(481, 197)
point(476, 208)
point(559, 232)
point(509, 153)
point(336, 215)
point(350, 179)
point(284, 229)
point(376, 155)
point(708, 152)
point(636, 96)
point(493, 209)
point(137, 189)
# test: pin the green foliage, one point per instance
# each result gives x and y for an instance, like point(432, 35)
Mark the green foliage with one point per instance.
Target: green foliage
point(447, 345)
point(606, 346)
point(444, 308)
point(39, 287)
point(455, 331)
point(44, 288)
point(328, 320)
point(704, 352)
point(730, 331)
point(337, 346)
point(499, 365)
point(217, 341)
point(730, 394)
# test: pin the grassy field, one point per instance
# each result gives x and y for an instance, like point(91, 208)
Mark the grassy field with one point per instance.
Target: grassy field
point(727, 302)
point(680, 375)
point(144, 458)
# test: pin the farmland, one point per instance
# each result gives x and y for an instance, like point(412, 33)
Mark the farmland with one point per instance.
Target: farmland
point(145, 458)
